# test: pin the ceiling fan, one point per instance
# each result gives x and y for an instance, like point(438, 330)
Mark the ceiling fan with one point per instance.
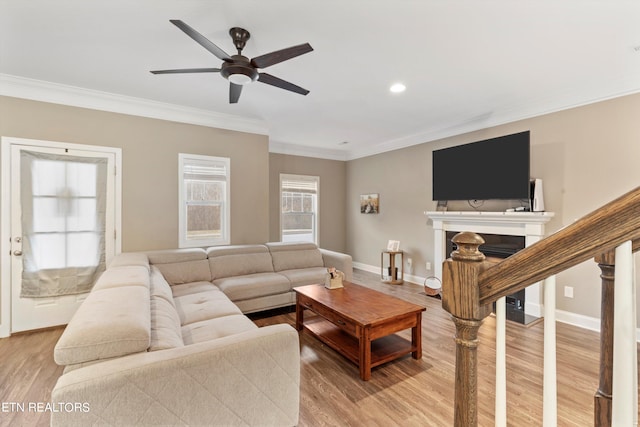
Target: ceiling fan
point(239, 69)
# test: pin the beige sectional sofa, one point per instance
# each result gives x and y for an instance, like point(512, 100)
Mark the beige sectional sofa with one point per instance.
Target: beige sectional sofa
point(162, 339)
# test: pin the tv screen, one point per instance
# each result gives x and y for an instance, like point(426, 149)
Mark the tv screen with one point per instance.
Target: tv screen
point(496, 168)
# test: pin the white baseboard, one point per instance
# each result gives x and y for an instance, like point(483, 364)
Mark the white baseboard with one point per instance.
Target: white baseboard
point(580, 320)
point(575, 319)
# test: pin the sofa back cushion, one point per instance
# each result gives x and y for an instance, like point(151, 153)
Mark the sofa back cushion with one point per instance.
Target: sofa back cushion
point(139, 259)
point(166, 331)
point(111, 322)
point(180, 266)
point(125, 275)
point(239, 260)
point(291, 256)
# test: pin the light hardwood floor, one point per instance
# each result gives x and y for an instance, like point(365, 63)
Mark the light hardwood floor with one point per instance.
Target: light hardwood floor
point(405, 392)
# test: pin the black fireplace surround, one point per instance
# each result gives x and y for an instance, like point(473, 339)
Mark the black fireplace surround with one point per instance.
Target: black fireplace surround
point(502, 246)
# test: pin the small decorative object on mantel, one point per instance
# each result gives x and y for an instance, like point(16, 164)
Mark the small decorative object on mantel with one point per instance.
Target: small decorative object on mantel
point(393, 245)
point(442, 206)
point(333, 279)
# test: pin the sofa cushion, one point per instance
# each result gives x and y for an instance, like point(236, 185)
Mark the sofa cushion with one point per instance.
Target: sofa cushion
point(182, 265)
point(166, 330)
point(239, 260)
point(110, 322)
point(123, 276)
point(291, 256)
point(266, 303)
point(139, 259)
point(306, 276)
point(159, 287)
point(165, 322)
point(203, 306)
point(253, 285)
point(169, 256)
point(192, 288)
point(177, 273)
point(212, 329)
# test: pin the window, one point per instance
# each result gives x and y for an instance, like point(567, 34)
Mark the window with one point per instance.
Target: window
point(299, 208)
point(204, 216)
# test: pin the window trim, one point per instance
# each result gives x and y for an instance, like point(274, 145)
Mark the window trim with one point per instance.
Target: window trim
point(316, 222)
point(183, 241)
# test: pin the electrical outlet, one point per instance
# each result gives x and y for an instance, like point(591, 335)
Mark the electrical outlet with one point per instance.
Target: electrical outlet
point(427, 265)
point(409, 262)
point(568, 291)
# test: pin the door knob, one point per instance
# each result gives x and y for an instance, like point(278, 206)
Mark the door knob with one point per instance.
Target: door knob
point(17, 253)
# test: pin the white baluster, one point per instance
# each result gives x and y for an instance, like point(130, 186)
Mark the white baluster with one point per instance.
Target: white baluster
point(624, 388)
point(501, 364)
point(634, 361)
point(550, 399)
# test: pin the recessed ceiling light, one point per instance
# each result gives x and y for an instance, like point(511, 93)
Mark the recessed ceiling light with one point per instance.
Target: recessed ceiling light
point(397, 88)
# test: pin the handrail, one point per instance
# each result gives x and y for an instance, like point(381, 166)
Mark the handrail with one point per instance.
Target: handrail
point(594, 234)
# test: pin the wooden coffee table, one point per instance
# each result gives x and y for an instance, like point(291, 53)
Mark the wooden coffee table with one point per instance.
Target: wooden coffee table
point(360, 323)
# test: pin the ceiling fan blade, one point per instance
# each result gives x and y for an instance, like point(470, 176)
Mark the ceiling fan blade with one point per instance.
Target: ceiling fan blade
point(269, 59)
point(201, 40)
point(234, 93)
point(187, 70)
point(282, 84)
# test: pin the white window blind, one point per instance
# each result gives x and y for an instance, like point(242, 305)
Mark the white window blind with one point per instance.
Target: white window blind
point(204, 217)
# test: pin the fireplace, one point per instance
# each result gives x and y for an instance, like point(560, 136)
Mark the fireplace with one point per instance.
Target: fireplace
point(502, 246)
point(505, 233)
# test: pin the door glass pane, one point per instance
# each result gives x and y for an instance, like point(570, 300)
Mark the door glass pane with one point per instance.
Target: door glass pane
point(48, 250)
point(83, 249)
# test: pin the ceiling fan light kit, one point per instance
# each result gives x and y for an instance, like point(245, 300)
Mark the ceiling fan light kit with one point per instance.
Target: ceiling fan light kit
point(239, 69)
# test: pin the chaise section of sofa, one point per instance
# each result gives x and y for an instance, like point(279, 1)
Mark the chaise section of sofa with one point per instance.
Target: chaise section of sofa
point(157, 343)
point(163, 338)
point(249, 378)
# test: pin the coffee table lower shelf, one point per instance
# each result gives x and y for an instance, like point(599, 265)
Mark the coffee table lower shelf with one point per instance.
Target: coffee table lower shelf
point(383, 350)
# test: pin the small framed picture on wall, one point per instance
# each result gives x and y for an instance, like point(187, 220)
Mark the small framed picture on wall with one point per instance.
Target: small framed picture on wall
point(370, 203)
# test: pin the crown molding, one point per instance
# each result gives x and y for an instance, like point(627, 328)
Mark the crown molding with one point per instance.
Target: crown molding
point(39, 90)
point(482, 121)
point(306, 151)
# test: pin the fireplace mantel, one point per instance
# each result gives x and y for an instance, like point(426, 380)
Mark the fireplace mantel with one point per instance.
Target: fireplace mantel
point(528, 224)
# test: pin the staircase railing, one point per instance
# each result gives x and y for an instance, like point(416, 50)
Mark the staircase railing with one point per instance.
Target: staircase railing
point(471, 284)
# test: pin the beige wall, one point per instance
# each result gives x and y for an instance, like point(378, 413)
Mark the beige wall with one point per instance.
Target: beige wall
point(332, 198)
point(150, 165)
point(586, 156)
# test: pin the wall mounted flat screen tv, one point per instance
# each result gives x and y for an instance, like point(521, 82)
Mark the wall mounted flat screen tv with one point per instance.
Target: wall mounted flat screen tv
point(496, 168)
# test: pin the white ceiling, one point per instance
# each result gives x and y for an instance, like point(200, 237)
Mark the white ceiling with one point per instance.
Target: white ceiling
point(466, 64)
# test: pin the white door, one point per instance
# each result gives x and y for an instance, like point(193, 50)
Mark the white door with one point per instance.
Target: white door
point(58, 242)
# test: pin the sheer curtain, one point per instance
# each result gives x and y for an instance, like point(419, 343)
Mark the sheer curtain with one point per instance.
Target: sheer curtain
point(63, 200)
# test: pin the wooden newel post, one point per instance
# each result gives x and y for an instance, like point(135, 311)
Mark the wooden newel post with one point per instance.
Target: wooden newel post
point(460, 297)
point(602, 398)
